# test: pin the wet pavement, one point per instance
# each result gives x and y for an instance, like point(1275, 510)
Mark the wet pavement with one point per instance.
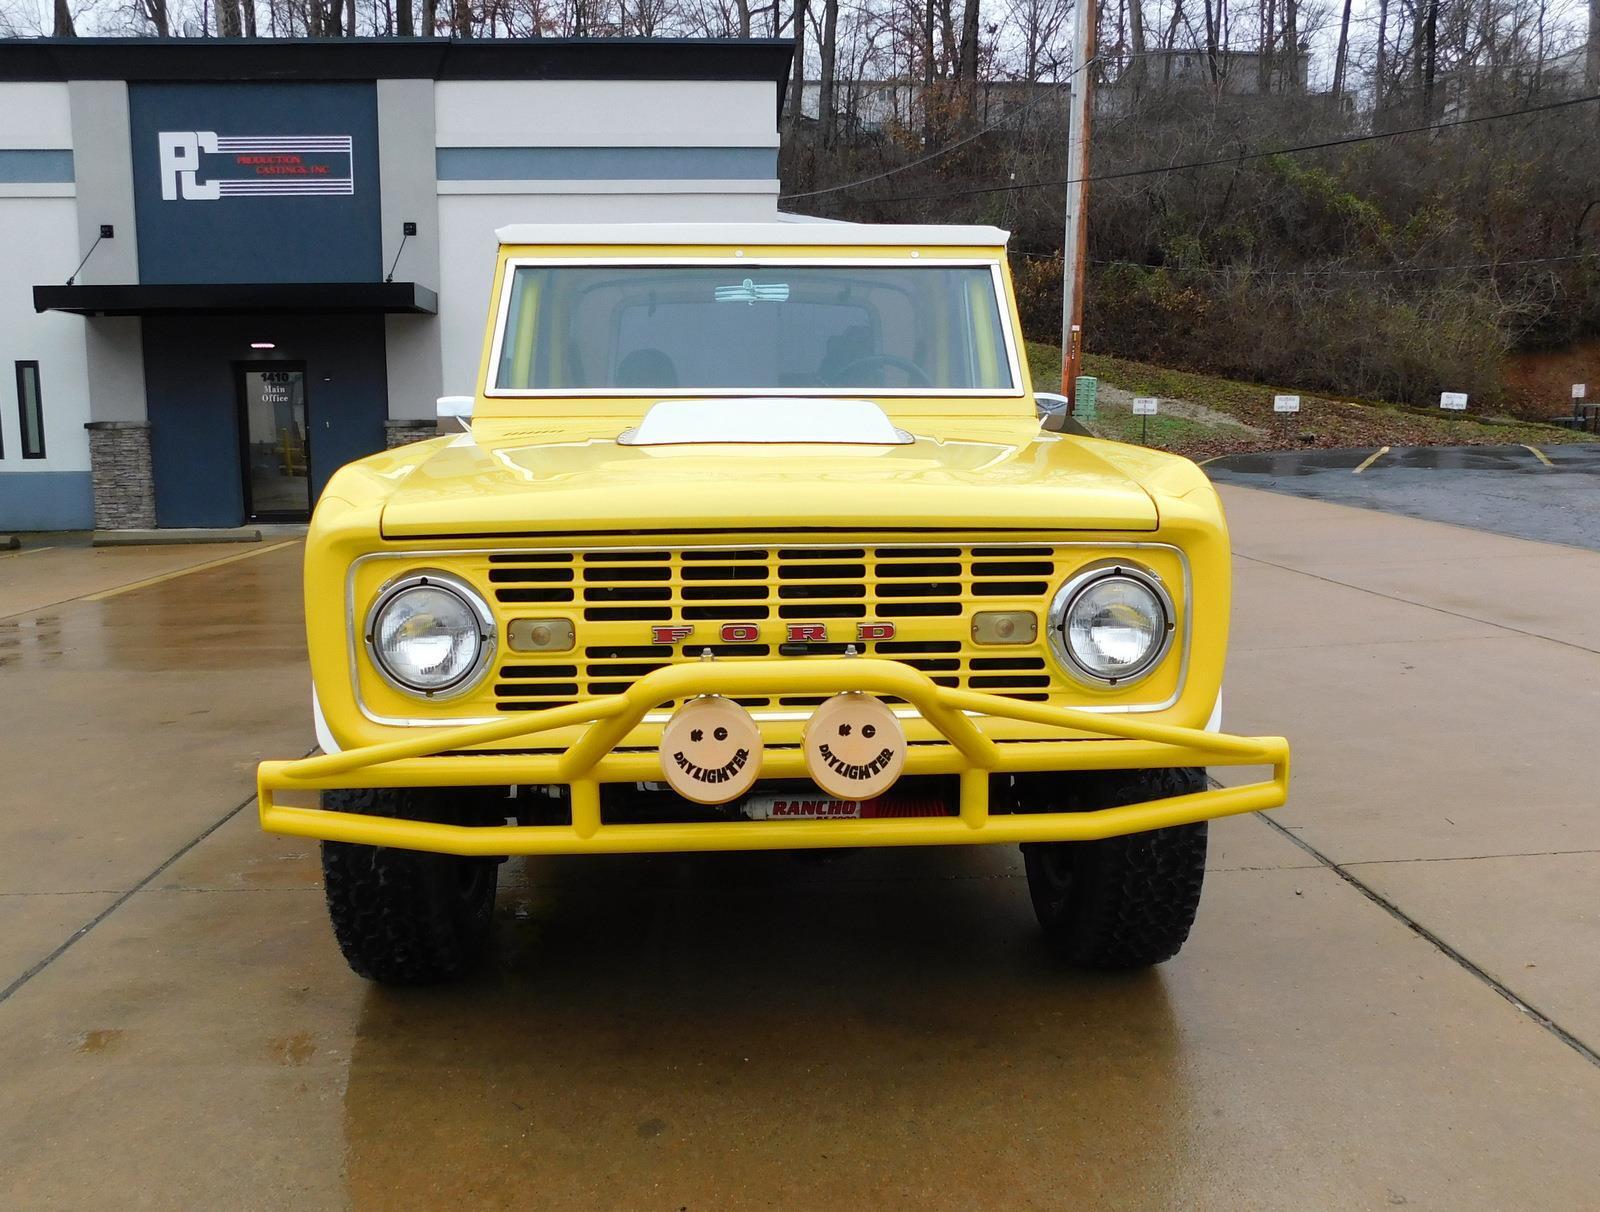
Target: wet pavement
point(1549, 493)
point(1389, 998)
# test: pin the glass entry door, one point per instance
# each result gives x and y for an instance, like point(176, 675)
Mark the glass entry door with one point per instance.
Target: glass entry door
point(272, 428)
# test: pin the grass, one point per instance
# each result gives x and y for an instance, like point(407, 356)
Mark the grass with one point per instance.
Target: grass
point(1323, 421)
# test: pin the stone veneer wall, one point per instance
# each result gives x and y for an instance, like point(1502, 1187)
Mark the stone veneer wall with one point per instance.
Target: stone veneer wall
point(403, 433)
point(124, 485)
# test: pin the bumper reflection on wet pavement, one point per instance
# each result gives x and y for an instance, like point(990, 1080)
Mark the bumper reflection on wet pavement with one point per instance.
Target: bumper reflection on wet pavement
point(783, 1029)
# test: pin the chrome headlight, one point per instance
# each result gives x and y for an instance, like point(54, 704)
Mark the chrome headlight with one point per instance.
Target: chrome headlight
point(430, 634)
point(1111, 623)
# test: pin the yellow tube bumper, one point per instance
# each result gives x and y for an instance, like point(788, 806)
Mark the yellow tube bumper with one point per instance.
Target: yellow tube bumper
point(1115, 742)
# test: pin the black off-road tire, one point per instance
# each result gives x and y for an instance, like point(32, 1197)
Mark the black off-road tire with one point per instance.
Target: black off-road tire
point(405, 917)
point(1123, 902)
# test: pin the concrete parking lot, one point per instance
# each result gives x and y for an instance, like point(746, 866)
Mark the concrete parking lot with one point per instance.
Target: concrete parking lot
point(1390, 997)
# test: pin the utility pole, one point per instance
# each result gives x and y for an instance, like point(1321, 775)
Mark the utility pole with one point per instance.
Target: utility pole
point(1076, 244)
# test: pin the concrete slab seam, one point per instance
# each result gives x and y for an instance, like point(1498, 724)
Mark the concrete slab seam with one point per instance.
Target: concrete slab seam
point(1394, 597)
point(1473, 858)
point(102, 595)
point(1529, 1011)
point(122, 900)
point(119, 590)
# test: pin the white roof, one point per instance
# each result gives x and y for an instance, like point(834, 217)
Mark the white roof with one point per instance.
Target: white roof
point(788, 230)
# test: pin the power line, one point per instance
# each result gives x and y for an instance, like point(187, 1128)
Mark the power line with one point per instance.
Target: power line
point(1052, 88)
point(1238, 158)
point(1330, 272)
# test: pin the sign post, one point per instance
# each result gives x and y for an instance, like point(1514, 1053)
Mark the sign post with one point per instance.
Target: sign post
point(1144, 407)
point(1284, 406)
point(1456, 401)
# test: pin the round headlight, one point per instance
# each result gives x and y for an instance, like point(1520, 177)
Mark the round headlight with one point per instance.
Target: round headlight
point(430, 634)
point(1111, 623)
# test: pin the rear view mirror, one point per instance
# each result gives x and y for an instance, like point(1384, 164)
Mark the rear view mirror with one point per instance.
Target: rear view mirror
point(1052, 409)
point(455, 406)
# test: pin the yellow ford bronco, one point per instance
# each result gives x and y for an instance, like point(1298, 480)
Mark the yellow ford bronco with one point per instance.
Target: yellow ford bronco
point(754, 540)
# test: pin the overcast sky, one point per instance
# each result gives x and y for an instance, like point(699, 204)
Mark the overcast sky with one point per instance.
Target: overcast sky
point(31, 16)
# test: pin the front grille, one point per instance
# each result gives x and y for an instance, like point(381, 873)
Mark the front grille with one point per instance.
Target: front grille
point(930, 592)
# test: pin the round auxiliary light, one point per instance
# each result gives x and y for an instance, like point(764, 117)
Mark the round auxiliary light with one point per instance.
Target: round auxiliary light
point(1111, 624)
point(711, 750)
point(431, 635)
point(855, 748)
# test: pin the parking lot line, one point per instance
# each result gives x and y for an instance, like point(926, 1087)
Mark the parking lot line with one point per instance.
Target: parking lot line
point(11, 555)
point(1371, 459)
point(183, 572)
point(1538, 454)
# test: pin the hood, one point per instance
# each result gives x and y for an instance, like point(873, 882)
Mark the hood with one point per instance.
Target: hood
point(572, 475)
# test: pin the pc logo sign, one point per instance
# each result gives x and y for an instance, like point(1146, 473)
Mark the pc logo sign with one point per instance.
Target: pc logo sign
point(180, 162)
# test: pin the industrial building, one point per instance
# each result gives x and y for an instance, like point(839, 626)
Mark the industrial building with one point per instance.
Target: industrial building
point(232, 266)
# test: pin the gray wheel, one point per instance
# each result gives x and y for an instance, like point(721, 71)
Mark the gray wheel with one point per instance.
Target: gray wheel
point(1124, 902)
point(405, 917)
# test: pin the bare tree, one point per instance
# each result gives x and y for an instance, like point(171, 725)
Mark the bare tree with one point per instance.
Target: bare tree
point(797, 72)
point(829, 62)
point(967, 56)
point(1591, 75)
point(1342, 54)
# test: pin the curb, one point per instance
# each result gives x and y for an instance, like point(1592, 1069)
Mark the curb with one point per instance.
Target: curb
point(155, 538)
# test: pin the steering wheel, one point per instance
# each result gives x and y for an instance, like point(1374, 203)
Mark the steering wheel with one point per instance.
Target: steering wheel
point(913, 372)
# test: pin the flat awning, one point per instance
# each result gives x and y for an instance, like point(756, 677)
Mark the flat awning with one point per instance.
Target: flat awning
point(239, 299)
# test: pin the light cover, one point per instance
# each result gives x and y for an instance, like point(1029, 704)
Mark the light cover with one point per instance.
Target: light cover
point(1115, 627)
point(427, 638)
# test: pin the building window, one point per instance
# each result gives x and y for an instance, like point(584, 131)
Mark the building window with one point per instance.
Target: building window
point(32, 409)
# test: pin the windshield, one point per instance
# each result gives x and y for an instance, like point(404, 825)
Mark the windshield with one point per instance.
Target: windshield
point(633, 329)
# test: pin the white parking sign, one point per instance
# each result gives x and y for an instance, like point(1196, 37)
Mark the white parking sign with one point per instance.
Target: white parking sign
point(1144, 406)
point(1580, 391)
point(1285, 403)
point(1456, 400)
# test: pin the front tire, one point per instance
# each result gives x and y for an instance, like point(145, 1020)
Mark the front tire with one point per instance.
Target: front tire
point(406, 917)
point(1122, 902)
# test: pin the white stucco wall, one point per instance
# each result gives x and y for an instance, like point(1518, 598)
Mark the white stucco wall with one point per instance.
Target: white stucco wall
point(34, 115)
point(606, 113)
point(52, 339)
point(41, 247)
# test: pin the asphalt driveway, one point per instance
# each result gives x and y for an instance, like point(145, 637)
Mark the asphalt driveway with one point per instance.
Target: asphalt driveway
point(1550, 493)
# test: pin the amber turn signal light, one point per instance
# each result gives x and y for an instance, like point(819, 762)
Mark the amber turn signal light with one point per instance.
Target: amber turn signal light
point(1005, 627)
point(540, 635)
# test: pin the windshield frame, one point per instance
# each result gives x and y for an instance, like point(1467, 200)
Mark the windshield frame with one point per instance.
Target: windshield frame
point(490, 372)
